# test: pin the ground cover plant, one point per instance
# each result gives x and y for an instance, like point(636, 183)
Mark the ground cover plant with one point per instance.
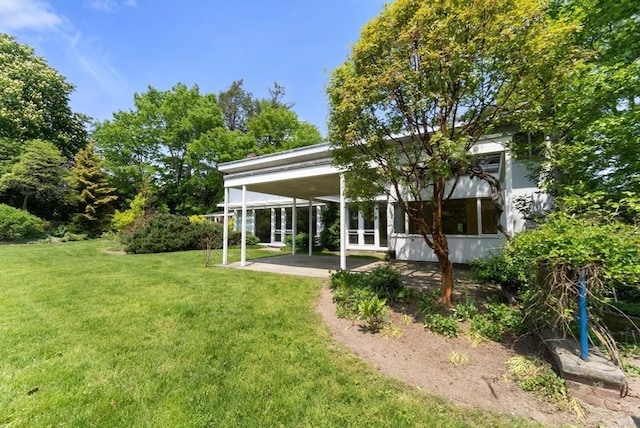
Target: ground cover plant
point(90, 338)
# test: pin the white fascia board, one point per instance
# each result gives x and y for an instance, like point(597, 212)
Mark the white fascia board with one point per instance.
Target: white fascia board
point(279, 158)
point(280, 175)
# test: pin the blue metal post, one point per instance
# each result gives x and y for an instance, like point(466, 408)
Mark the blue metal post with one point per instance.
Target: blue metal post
point(582, 306)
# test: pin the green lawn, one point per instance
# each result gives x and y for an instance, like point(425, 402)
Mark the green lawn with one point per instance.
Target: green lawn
point(89, 338)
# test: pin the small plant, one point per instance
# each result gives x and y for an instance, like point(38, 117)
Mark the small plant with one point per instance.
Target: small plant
point(630, 350)
point(405, 319)
point(373, 311)
point(437, 323)
point(464, 311)
point(631, 370)
point(392, 330)
point(457, 359)
point(536, 376)
point(499, 321)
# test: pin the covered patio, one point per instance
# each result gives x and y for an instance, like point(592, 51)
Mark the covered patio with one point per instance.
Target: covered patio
point(300, 174)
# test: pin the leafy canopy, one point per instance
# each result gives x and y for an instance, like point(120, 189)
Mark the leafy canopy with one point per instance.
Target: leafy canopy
point(34, 101)
point(423, 84)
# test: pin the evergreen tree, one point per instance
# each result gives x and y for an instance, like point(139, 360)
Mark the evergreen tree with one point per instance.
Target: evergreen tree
point(94, 196)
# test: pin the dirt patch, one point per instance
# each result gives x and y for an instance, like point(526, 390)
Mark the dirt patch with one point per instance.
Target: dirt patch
point(424, 360)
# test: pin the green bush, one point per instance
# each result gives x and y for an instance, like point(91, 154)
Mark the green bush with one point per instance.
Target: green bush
point(464, 311)
point(440, 324)
point(17, 225)
point(354, 292)
point(209, 234)
point(163, 233)
point(384, 281)
point(302, 241)
point(235, 238)
point(330, 234)
point(498, 322)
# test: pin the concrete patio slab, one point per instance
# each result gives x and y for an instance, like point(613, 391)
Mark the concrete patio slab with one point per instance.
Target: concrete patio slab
point(305, 265)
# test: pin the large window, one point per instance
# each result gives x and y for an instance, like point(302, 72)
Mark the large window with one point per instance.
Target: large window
point(459, 217)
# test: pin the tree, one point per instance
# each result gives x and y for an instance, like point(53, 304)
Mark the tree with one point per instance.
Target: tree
point(35, 100)
point(589, 116)
point(237, 106)
point(277, 128)
point(425, 81)
point(158, 140)
point(93, 194)
point(39, 174)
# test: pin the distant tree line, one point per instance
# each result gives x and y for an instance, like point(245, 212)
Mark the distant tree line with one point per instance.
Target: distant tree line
point(59, 166)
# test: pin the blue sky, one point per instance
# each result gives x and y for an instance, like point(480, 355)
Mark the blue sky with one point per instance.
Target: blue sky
point(111, 49)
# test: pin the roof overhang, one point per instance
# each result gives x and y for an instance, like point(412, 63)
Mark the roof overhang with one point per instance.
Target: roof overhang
point(305, 173)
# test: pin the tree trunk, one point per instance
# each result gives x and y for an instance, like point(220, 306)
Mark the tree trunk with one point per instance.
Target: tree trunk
point(446, 273)
point(24, 201)
point(441, 245)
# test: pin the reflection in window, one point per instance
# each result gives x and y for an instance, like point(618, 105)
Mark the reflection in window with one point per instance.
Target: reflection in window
point(489, 225)
point(459, 216)
point(398, 219)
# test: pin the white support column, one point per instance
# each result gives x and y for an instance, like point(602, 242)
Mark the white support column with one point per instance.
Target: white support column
point(360, 226)
point(343, 226)
point(253, 222)
point(243, 241)
point(272, 236)
point(376, 225)
point(283, 224)
point(507, 193)
point(318, 220)
point(225, 228)
point(311, 237)
point(294, 227)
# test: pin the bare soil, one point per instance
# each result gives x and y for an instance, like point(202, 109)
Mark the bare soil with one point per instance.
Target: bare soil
point(477, 379)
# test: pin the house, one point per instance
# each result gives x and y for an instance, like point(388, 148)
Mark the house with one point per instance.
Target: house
point(281, 194)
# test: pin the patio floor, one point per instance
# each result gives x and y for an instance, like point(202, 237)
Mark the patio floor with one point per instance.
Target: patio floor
point(304, 265)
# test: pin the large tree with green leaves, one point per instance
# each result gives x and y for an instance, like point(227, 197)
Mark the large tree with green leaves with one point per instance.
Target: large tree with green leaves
point(39, 174)
point(92, 193)
point(588, 117)
point(34, 100)
point(423, 84)
point(277, 128)
point(165, 138)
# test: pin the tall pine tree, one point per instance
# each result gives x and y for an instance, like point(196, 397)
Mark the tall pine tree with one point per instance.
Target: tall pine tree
point(93, 193)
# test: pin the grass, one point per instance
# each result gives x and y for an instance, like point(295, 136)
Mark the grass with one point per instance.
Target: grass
point(89, 338)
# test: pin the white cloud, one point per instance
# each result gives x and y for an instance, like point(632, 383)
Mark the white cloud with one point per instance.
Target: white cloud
point(104, 5)
point(37, 21)
point(109, 5)
point(16, 15)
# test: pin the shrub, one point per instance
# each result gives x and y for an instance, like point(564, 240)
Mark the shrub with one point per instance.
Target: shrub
point(235, 238)
point(124, 219)
point(498, 322)
point(16, 224)
point(441, 324)
point(302, 241)
point(384, 281)
point(363, 294)
point(163, 233)
point(464, 311)
point(330, 234)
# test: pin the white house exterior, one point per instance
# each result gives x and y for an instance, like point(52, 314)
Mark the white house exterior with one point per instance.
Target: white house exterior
point(272, 192)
